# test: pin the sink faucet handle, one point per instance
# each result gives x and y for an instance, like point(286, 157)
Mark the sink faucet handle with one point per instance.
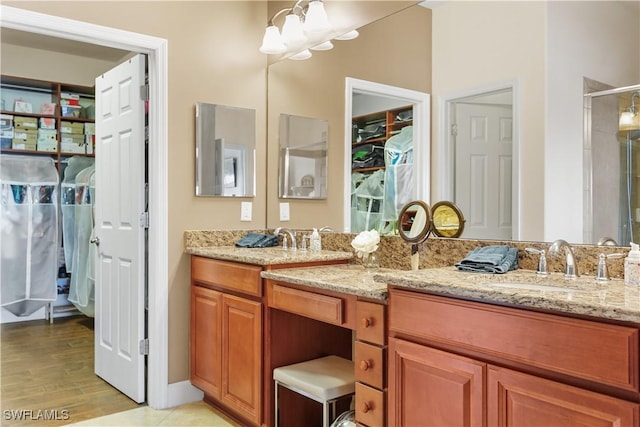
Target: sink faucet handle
point(543, 268)
point(602, 273)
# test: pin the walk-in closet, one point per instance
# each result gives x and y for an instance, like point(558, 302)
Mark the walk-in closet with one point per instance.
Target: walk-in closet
point(47, 195)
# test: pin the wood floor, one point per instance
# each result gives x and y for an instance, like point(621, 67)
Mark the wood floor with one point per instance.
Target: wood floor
point(47, 371)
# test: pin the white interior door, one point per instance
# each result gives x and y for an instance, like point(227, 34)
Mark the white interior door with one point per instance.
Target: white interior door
point(483, 169)
point(120, 202)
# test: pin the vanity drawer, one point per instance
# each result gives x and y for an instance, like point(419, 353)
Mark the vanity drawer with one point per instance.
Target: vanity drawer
point(369, 364)
point(325, 308)
point(370, 322)
point(228, 275)
point(369, 406)
point(583, 349)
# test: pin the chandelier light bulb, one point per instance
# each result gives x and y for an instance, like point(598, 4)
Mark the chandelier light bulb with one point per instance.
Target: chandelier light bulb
point(348, 36)
point(323, 46)
point(272, 42)
point(292, 31)
point(316, 20)
point(301, 56)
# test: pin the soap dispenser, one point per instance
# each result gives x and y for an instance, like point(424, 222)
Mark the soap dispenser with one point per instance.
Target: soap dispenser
point(314, 240)
point(632, 266)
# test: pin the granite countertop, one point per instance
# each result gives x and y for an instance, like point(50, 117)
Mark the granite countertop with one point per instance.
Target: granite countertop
point(585, 296)
point(267, 256)
point(346, 278)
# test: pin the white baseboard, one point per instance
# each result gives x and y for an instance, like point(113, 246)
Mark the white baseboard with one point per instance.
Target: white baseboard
point(182, 392)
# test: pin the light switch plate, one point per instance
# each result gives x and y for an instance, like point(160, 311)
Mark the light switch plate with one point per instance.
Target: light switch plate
point(284, 211)
point(245, 211)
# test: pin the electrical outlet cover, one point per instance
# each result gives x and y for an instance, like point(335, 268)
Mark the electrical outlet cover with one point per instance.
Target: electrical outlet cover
point(284, 211)
point(245, 211)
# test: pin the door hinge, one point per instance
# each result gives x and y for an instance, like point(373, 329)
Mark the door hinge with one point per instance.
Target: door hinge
point(144, 220)
point(144, 347)
point(454, 129)
point(144, 92)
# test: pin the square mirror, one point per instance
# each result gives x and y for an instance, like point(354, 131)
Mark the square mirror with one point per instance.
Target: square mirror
point(303, 157)
point(225, 150)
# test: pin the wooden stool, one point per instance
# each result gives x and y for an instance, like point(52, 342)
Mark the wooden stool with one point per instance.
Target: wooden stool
point(324, 380)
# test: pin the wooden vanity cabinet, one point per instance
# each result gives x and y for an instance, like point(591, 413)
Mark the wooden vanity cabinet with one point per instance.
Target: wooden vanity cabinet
point(369, 363)
point(226, 335)
point(454, 362)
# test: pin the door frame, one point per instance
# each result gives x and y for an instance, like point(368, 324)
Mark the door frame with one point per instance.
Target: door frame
point(446, 146)
point(421, 102)
point(156, 49)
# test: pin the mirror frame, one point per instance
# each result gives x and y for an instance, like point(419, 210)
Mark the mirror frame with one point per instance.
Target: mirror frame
point(424, 233)
point(458, 213)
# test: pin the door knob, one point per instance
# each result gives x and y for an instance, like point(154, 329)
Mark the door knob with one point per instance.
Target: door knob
point(95, 241)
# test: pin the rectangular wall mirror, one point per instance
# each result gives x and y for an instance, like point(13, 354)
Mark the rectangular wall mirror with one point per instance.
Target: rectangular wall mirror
point(225, 151)
point(303, 157)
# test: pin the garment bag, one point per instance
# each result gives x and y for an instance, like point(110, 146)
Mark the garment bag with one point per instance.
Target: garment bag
point(398, 178)
point(67, 205)
point(368, 203)
point(29, 233)
point(81, 288)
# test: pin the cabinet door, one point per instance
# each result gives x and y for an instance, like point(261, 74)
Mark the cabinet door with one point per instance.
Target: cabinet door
point(516, 399)
point(206, 328)
point(432, 387)
point(242, 356)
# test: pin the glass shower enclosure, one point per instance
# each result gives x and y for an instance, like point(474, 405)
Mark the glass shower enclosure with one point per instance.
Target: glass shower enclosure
point(612, 166)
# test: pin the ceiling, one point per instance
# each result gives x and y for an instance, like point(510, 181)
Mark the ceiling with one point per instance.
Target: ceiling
point(54, 44)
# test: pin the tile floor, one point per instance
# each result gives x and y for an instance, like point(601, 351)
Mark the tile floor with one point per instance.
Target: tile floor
point(190, 414)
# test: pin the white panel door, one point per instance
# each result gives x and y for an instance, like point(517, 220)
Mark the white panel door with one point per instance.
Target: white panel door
point(483, 169)
point(120, 200)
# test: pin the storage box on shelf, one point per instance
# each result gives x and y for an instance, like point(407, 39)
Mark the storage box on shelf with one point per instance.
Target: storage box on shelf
point(31, 122)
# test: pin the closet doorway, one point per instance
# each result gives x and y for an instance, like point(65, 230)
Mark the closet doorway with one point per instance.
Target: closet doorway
point(156, 50)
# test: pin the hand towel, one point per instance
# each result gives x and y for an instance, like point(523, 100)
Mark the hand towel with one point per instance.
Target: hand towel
point(490, 259)
point(255, 240)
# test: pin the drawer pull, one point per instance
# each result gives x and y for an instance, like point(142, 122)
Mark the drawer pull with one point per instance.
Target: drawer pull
point(366, 322)
point(366, 407)
point(364, 365)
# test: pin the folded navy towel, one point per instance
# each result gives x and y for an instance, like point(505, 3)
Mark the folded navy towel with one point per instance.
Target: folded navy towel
point(490, 259)
point(255, 240)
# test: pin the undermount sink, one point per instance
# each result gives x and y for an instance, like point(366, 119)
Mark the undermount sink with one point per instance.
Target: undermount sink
point(531, 287)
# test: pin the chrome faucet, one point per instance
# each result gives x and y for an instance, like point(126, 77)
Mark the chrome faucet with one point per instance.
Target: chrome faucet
point(292, 235)
point(571, 268)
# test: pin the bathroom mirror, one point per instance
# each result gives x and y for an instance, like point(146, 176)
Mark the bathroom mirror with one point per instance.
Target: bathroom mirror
point(414, 222)
point(303, 157)
point(225, 150)
point(447, 219)
point(482, 30)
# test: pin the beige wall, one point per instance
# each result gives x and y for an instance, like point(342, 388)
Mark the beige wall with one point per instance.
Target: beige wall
point(213, 57)
point(395, 51)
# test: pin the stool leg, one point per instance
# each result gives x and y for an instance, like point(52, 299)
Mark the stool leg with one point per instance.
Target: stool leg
point(325, 414)
point(277, 417)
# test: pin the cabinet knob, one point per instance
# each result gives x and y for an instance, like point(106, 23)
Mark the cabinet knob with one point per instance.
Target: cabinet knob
point(366, 407)
point(364, 365)
point(366, 322)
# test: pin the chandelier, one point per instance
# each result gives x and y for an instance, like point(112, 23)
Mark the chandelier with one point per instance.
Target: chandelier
point(306, 27)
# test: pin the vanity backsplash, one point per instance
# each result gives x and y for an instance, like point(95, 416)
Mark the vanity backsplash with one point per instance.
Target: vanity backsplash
point(393, 252)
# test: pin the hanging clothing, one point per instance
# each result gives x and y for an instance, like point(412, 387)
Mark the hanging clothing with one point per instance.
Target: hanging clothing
point(398, 177)
point(367, 200)
point(29, 233)
point(82, 286)
point(67, 205)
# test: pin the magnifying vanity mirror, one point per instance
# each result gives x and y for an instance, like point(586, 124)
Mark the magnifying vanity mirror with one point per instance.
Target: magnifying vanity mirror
point(303, 157)
point(447, 220)
point(414, 222)
point(225, 150)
